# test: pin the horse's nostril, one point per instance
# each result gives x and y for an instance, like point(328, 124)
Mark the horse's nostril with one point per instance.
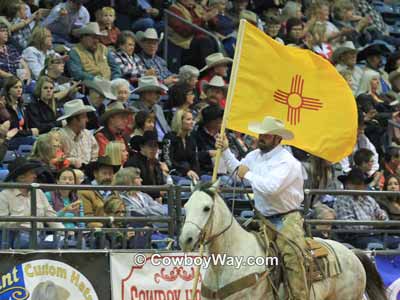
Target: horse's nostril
point(189, 240)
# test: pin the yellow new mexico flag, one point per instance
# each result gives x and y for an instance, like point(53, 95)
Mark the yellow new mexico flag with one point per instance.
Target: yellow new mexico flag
point(296, 86)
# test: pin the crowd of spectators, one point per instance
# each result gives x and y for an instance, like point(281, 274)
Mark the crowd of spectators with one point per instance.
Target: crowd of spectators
point(87, 97)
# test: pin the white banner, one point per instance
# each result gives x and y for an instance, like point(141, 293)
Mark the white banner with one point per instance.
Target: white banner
point(161, 276)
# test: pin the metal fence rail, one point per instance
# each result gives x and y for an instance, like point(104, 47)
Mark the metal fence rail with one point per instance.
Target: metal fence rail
point(174, 203)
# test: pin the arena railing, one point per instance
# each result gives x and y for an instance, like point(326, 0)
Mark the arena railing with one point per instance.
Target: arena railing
point(170, 220)
point(175, 217)
point(169, 14)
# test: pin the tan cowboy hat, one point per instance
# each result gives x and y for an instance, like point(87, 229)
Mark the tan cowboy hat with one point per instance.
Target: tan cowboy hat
point(248, 15)
point(216, 82)
point(102, 86)
point(114, 108)
point(75, 107)
point(149, 83)
point(216, 59)
point(271, 125)
point(149, 34)
point(347, 46)
point(91, 28)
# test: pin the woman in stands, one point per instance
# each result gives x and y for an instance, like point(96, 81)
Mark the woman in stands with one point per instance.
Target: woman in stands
point(181, 96)
point(118, 153)
point(65, 202)
point(391, 203)
point(144, 121)
point(12, 109)
point(42, 112)
point(180, 149)
point(11, 61)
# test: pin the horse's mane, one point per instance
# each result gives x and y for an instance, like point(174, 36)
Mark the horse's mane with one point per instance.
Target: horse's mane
point(205, 187)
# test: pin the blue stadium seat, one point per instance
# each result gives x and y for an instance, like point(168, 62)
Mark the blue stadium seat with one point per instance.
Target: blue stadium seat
point(247, 214)
point(9, 157)
point(24, 150)
point(3, 174)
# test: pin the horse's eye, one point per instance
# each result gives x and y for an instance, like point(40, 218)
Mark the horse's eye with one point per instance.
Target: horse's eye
point(206, 209)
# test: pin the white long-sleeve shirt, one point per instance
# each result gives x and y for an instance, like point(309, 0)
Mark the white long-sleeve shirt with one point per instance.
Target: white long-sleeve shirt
point(276, 178)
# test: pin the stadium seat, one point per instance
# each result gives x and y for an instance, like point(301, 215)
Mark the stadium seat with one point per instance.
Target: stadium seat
point(24, 150)
point(247, 214)
point(3, 174)
point(9, 157)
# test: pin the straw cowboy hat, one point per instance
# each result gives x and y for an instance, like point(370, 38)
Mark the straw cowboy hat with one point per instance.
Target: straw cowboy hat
point(149, 34)
point(215, 82)
point(346, 47)
point(75, 107)
point(20, 166)
point(248, 15)
point(114, 108)
point(216, 59)
point(271, 125)
point(91, 28)
point(149, 83)
point(102, 86)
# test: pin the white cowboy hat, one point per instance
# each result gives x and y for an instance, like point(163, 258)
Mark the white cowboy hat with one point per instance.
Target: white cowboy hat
point(271, 125)
point(75, 107)
point(347, 46)
point(149, 34)
point(149, 83)
point(216, 59)
point(91, 28)
point(102, 86)
point(217, 82)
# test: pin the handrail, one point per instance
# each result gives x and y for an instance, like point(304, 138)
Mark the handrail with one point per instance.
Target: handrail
point(168, 13)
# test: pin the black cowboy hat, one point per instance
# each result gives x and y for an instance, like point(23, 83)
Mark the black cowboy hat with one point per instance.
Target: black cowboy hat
point(371, 50)
point(355, 176)
point(211, 113)
point(20, 166)
point(148, 137)
point(100, 162)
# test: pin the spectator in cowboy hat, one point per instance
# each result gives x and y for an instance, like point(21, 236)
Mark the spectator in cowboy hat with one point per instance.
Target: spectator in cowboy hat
point(80, 146)
point(372, 54)
point(216, 64)
point(205, 134)
point(149, 91)
point(90, 58)
point(215, 91)
point(16, 202)
point(345, 59)
point(114, 121)
point(149, 60)
point(100, 172)
point(64, 17)
point(97, 91)
point(359, 208)
point(152, 171)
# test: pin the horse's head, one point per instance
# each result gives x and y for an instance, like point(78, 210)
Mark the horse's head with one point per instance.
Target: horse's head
point(199, 210)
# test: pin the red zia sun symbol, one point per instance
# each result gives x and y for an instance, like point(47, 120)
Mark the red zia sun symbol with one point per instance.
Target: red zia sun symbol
point(296, 101)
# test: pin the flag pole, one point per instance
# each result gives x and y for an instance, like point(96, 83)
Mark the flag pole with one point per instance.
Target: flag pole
point(232, 84)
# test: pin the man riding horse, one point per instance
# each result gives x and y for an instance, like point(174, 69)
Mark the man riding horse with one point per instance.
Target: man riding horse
point(277, 181)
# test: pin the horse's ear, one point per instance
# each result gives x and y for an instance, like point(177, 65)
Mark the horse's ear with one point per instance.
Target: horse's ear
point(215, 186)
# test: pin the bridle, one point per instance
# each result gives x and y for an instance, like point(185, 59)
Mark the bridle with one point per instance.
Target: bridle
point(202, 240)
